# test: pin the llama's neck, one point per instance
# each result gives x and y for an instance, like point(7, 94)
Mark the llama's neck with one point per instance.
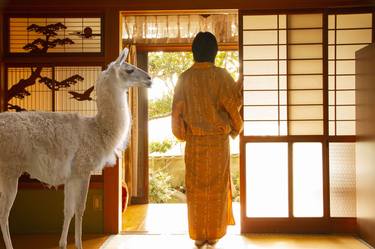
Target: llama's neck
point(113, 116)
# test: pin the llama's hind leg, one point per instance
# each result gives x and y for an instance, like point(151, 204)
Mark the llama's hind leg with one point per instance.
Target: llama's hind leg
point(69, 204)
point(81, 197)
point(8, 188)
point(74, 203)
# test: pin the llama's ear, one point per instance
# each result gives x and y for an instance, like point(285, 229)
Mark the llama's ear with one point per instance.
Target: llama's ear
point(121, 58)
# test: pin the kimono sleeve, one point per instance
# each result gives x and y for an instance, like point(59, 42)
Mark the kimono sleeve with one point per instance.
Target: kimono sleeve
point(231, 99)
point(178, 124)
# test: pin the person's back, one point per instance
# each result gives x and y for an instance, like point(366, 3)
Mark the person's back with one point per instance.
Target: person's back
point(205, 87)
point(205, 111)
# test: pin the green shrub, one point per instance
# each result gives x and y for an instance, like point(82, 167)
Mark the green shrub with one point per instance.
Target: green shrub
point(161, 107)
point(161, 147)
point(161, 190)
point(236, 187)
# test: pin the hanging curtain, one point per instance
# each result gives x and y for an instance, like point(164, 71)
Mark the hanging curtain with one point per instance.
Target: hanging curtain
point(178, 29)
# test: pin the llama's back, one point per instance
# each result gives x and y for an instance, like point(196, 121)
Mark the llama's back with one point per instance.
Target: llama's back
point(41, 144)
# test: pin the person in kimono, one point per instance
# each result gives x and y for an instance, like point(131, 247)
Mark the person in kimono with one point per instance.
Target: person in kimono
point(205, 112)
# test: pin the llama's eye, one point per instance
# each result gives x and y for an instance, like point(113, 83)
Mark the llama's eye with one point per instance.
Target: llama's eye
point(129, 71)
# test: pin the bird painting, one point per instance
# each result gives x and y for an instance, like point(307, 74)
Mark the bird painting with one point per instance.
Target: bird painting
point(16, 108)
point(82, 96)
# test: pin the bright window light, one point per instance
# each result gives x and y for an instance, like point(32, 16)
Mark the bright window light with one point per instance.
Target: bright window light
point(267, 179)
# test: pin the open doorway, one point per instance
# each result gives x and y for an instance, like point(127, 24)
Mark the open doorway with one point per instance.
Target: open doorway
point(166, 178)
point(166, 210)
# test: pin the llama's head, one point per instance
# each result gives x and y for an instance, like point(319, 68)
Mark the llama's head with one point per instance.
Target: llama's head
point(128, 75)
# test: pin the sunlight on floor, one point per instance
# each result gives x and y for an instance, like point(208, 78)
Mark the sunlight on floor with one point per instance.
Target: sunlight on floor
point(165, 219)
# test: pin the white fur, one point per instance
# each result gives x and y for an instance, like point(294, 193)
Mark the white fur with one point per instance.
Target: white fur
point(62, 148)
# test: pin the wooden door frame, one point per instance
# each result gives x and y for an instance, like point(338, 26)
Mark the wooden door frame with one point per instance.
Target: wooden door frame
point(112, 187)
point(142, 60)
point(142, 144)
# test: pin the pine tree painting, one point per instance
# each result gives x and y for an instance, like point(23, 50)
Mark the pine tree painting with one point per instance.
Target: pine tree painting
point(39, 47)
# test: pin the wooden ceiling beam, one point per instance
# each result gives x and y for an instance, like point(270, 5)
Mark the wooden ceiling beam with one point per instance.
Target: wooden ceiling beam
point(135, 5)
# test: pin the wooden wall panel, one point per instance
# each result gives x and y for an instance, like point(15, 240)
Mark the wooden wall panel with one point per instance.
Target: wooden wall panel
point(365, 156)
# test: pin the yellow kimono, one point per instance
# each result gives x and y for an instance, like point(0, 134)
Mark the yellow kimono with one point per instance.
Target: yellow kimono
point(205, 112)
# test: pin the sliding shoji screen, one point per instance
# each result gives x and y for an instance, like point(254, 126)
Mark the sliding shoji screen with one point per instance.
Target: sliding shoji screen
point(347, 34)
point(81, 35)
point(60, 74)
point(283, 74)
point(283, 96)
point(299, 112)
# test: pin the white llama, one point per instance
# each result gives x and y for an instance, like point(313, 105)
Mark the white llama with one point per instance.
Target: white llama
point(62, 148)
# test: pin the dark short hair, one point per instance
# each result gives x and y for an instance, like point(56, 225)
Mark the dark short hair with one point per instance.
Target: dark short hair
point(204, 47)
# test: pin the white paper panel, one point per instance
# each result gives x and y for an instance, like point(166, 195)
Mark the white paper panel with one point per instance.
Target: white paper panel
point(260, 83)
point(259, 37)
point(260, 22)
point(261, 98)
point(305, 21)
point(260, 67)
point(307, 180)
point(263, 199)
point(354, 21)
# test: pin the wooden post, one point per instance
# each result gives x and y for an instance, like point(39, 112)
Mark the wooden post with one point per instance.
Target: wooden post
point(112, 186)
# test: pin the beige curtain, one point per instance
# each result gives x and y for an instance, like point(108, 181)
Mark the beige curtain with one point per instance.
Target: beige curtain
point(167, 29)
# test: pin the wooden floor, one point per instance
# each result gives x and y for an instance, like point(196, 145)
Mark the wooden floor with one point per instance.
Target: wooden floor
point(235, 242)
point(183, 242)
point(52, 241)
point(165, 227)
point(230, 241)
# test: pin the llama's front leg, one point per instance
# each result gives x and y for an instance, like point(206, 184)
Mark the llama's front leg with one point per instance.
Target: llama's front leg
point(7, 196)
point(69, 205)
point(81, 197)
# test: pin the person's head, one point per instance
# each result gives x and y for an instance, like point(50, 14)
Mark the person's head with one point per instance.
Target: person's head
point(204, 47)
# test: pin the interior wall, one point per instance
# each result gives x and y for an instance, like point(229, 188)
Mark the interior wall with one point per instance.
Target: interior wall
point(365, 155)
point(46, 214)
